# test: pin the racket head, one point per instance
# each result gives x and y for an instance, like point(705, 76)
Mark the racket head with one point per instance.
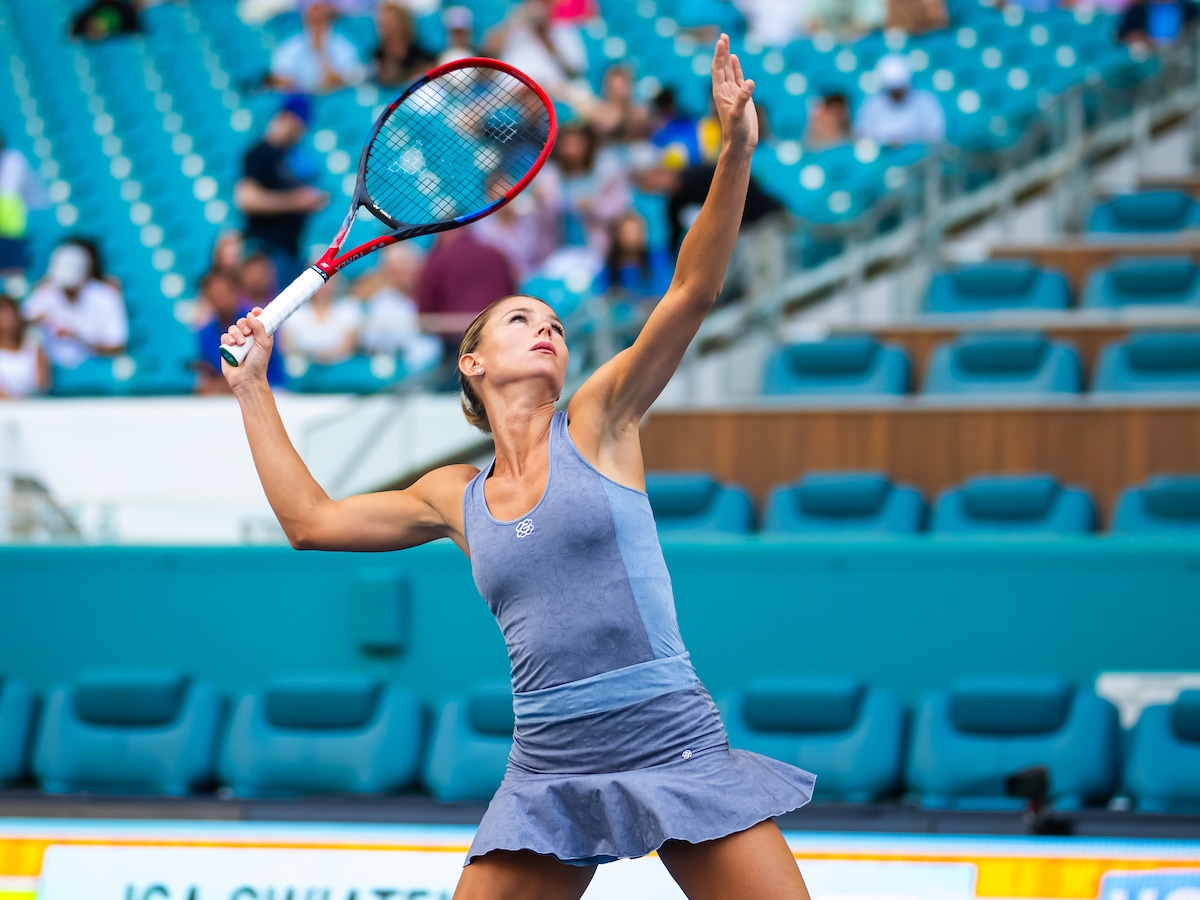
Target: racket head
point(459, 143)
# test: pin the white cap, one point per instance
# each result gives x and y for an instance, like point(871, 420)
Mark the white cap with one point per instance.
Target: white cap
point(69, 266)
point(893, 72)
point(457, 17)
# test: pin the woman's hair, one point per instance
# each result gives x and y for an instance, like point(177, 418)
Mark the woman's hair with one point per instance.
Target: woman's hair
point(591, 145)
point(9, 303)
point(472, 404)
point(617, 254)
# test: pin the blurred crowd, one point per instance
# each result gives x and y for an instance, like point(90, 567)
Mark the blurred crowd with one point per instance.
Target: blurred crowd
point(580, 220)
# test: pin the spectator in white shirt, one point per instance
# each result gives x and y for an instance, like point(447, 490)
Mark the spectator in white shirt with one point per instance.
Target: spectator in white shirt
point(551, 53)
point(80, 316)
point(898, 114)
point(774, 23)
point(318, 58)
point(459, 22)
point(24, 370)
point(325, 330)
point(392, 324)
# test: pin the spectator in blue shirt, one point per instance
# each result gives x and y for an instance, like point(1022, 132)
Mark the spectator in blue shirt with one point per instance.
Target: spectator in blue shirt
point(898, 114)
point(1157, 22)
point(318, 58)
point(221, 308)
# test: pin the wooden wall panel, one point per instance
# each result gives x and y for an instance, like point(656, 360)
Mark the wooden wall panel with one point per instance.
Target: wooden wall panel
point(1101, 448)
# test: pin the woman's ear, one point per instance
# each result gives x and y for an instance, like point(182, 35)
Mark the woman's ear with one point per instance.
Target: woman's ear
point(470, 364)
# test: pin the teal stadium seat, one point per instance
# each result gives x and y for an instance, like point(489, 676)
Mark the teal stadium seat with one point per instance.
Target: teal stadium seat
point(696, 503)
point(321, 734)
point(1154, 213)
point(357, 375)
point(852, 736)
point(844, 503)
point(472, 737)
point(1149, 363)
point(101, 376)
point(1165, 504)
point(1025, 505)
point(1171, 281)
point(1003, 364)
point(17, 708)
point(837, 368)
point(1162, 772)
point(969, 739)
point(992, 286)
point(129, 730)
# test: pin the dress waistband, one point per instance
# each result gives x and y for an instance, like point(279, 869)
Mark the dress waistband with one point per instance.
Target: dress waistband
point(608, 690)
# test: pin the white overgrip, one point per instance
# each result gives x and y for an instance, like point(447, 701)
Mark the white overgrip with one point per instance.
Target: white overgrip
point(273, 315)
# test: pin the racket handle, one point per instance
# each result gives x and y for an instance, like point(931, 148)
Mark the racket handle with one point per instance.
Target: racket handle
point(290, 299)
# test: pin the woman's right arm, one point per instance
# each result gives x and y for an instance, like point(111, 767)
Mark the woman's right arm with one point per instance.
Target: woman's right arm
point(389, 520)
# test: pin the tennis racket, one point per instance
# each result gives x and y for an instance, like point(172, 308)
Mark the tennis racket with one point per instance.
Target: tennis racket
point(459, 143)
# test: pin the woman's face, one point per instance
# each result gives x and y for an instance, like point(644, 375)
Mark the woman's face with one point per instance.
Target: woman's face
point(228, 254)
point(573, 146)
point(523, 339)
point(393, 26)
point(617, 85)
point(9, 319)
point(631, 233)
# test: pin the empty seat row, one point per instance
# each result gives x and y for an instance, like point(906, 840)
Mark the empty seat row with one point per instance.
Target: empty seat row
point(868, 503)
point(1145, 214)
point(127, 731)
point(983, 365)
point(1172, 282)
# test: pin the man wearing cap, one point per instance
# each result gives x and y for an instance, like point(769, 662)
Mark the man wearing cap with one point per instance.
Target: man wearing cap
point(318, 58)
point(898, 114)
point(460, 34)
point(272, 195)
point(80, 316)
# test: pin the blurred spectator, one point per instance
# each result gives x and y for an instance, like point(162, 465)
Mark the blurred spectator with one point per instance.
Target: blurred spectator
point(220, 307)
point(24, 370)
point(461, 276)
point(588, 187)
point(398, 58)
point(1150, 23)
point(898, 114)
point(325, 330)
point(105, 18)
point(917, 16)
point(20, 191)
point(229, 251)
point(618, 115)
point(259, 282)
point(80, 315)
point(524, 230)
point(460, 36)
point(829, 122)
point(774, 23)
point(273, 198)
point(634, 271)
point(392, 325)
point(551, 53)
point(318, 58)
point(848, 18)
point(578, 11)
point(675, 133)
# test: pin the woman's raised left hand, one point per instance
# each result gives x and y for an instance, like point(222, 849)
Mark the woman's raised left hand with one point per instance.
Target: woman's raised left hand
point(732, 95)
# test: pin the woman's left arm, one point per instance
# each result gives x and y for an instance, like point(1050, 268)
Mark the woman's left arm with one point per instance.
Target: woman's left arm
point(622, 389)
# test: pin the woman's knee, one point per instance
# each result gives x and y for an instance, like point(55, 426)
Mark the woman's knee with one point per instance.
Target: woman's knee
point(520, 874)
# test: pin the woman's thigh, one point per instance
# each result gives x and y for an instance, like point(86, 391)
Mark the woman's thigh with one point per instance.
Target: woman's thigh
point(521, 875)
point(754, 863)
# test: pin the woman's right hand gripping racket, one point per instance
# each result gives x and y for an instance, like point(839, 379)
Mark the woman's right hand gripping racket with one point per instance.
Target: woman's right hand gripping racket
point(459, 143)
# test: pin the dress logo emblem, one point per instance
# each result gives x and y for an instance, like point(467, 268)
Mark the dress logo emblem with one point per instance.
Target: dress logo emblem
point(524, 528)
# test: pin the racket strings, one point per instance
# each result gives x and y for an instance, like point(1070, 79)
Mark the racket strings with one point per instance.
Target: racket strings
point(455, 145)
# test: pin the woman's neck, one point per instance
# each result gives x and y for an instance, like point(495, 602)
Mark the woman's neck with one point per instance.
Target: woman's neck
point(520, 428)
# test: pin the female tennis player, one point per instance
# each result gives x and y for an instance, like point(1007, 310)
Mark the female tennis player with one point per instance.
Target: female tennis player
point(618, 749)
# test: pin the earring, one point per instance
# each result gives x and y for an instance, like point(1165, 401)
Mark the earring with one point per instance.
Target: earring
point(479, 370)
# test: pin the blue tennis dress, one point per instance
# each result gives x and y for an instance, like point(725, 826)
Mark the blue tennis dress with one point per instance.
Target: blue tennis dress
point(617, 746)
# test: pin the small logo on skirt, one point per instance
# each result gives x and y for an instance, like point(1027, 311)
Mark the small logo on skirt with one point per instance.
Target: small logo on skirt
point(524, 528)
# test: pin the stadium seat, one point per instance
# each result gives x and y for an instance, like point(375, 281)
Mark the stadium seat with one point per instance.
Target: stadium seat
point(1023, 505)
point(1162, 772)
point(17, 708)
point(695, 502)
point(309, 734)
point(968, 740)
point(1003, 364)
point(844, 503)
point(1149, 363)
point(472, 737)
point(837, 368)
point(1173, 281)
point(357, 375)
point(1164, 504)
point(992, 286)
point(1148, 213)
point(129, 730)
point(851, 735)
